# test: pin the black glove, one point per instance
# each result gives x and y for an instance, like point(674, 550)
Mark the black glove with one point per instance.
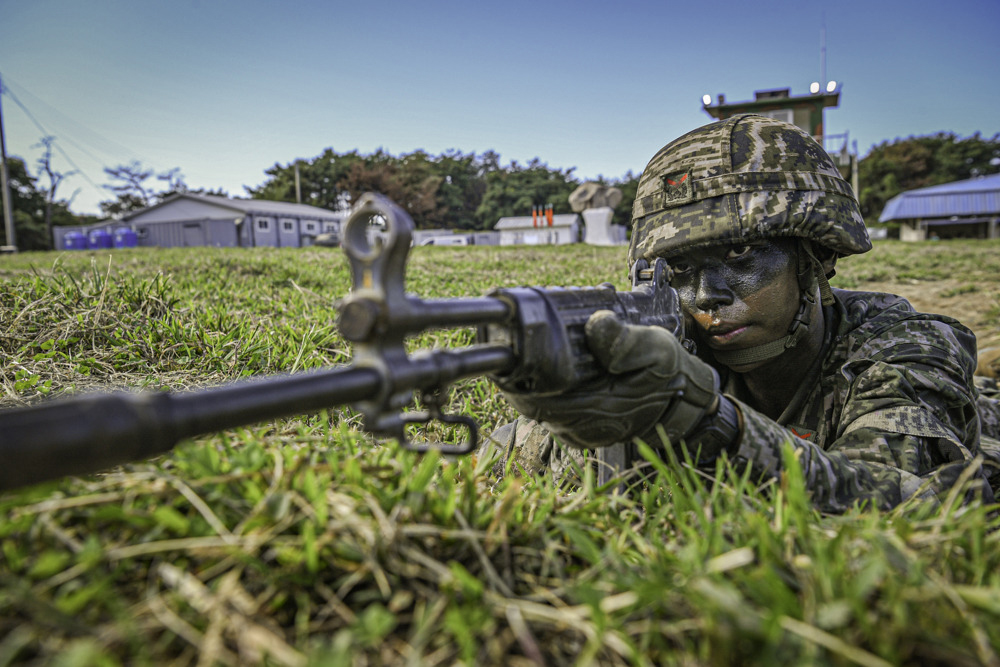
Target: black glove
point(651, 380)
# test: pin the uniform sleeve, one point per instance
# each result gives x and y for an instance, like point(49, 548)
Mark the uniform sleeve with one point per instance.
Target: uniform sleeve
point(526, 446)
point(908, 426)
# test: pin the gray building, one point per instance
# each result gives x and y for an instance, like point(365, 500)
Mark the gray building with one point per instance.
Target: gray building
point(211, 220)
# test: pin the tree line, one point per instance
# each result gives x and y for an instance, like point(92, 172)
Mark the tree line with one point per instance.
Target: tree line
point(917, 162)
point(463, 191)
point(31, 208)
point(453, 190)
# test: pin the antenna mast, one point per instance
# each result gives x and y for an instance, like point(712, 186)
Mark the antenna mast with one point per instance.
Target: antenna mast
point(822, 53)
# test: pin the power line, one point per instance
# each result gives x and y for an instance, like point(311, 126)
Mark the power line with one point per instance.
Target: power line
point(110, 147)
point(46, 133)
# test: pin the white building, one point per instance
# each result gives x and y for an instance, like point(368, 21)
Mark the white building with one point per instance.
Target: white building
point(526, 230)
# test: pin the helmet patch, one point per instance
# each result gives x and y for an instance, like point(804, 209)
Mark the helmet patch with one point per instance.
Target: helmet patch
point(677, 189)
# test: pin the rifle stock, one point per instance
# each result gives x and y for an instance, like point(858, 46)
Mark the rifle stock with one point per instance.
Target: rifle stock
point(530, 339)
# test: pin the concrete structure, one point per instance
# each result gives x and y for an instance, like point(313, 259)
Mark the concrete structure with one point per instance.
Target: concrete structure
point(529, 230)
point(422, 236)
point(485, 238)
point(594, 195)
point(452, 237)
point(599, 230)
point(200, 220)
point(961, 209)
point(597, 202)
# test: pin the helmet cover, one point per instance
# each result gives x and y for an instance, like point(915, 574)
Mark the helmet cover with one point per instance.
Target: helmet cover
point(740, 180)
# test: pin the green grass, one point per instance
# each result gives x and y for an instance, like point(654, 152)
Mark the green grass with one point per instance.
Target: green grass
point(302, 541)
point(968, 261)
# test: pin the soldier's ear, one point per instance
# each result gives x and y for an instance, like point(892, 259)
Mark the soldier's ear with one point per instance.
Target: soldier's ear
point(826, 257)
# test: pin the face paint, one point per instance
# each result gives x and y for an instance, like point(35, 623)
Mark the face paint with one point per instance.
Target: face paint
point(738, 296)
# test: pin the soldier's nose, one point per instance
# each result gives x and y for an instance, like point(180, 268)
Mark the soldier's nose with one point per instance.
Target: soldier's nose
point(711, 291)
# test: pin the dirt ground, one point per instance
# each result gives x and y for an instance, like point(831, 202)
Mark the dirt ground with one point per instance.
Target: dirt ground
point(947, 298)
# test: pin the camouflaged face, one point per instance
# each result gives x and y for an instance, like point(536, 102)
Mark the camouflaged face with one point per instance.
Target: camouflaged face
point(743, 179)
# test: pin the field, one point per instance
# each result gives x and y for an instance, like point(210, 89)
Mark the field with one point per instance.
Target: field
point(303, 541)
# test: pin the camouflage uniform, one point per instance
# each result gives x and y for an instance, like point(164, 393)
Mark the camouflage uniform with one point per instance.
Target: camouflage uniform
point(891, 412)
point(989, 407)
point(890, 408)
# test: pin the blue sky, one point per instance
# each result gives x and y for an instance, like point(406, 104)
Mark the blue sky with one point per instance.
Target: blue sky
point(224, 90)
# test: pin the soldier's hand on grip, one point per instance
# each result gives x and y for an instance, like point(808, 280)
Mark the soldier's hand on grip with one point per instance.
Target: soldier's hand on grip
point(651, 380)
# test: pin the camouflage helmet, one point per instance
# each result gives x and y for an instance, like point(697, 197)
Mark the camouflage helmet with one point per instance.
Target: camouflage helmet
point(743, 179)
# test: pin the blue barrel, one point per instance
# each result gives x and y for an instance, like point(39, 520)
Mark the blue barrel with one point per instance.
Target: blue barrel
point(99, 238)
point(75, 241)
point(125, 238)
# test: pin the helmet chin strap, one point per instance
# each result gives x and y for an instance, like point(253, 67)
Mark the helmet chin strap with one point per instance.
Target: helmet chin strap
point(811, 276)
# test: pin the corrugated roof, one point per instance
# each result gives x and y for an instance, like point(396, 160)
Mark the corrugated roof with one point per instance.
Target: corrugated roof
point(264, 206)
point(972, 197)
point(267, 206)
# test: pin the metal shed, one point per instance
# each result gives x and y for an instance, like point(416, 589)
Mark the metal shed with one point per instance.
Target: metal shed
point(961, 209)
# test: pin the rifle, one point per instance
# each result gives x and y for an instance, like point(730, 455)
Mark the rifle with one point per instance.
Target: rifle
point(529, 339)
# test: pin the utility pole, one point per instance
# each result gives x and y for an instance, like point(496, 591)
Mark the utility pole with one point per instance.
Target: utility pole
point(298, 187)
point(8, 217)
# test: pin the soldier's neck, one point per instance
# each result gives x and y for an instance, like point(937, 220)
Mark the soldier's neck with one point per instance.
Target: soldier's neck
point(770, 387)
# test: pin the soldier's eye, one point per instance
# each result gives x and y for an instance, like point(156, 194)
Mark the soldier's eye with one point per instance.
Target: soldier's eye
point(680, 268)
point(737, 251)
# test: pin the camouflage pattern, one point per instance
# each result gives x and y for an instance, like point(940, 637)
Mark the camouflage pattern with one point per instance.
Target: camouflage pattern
point(892, 413)
point(988, 407)
point(739, 180)
point(534, 451)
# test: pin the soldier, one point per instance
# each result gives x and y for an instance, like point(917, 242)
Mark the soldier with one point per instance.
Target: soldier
point(877, 400)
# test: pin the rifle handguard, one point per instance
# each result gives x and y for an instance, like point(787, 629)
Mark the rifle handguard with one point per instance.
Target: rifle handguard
point(547, 327)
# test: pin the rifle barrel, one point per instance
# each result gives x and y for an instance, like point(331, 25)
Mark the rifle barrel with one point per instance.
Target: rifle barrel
point(85, 434)
point(89, 433)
